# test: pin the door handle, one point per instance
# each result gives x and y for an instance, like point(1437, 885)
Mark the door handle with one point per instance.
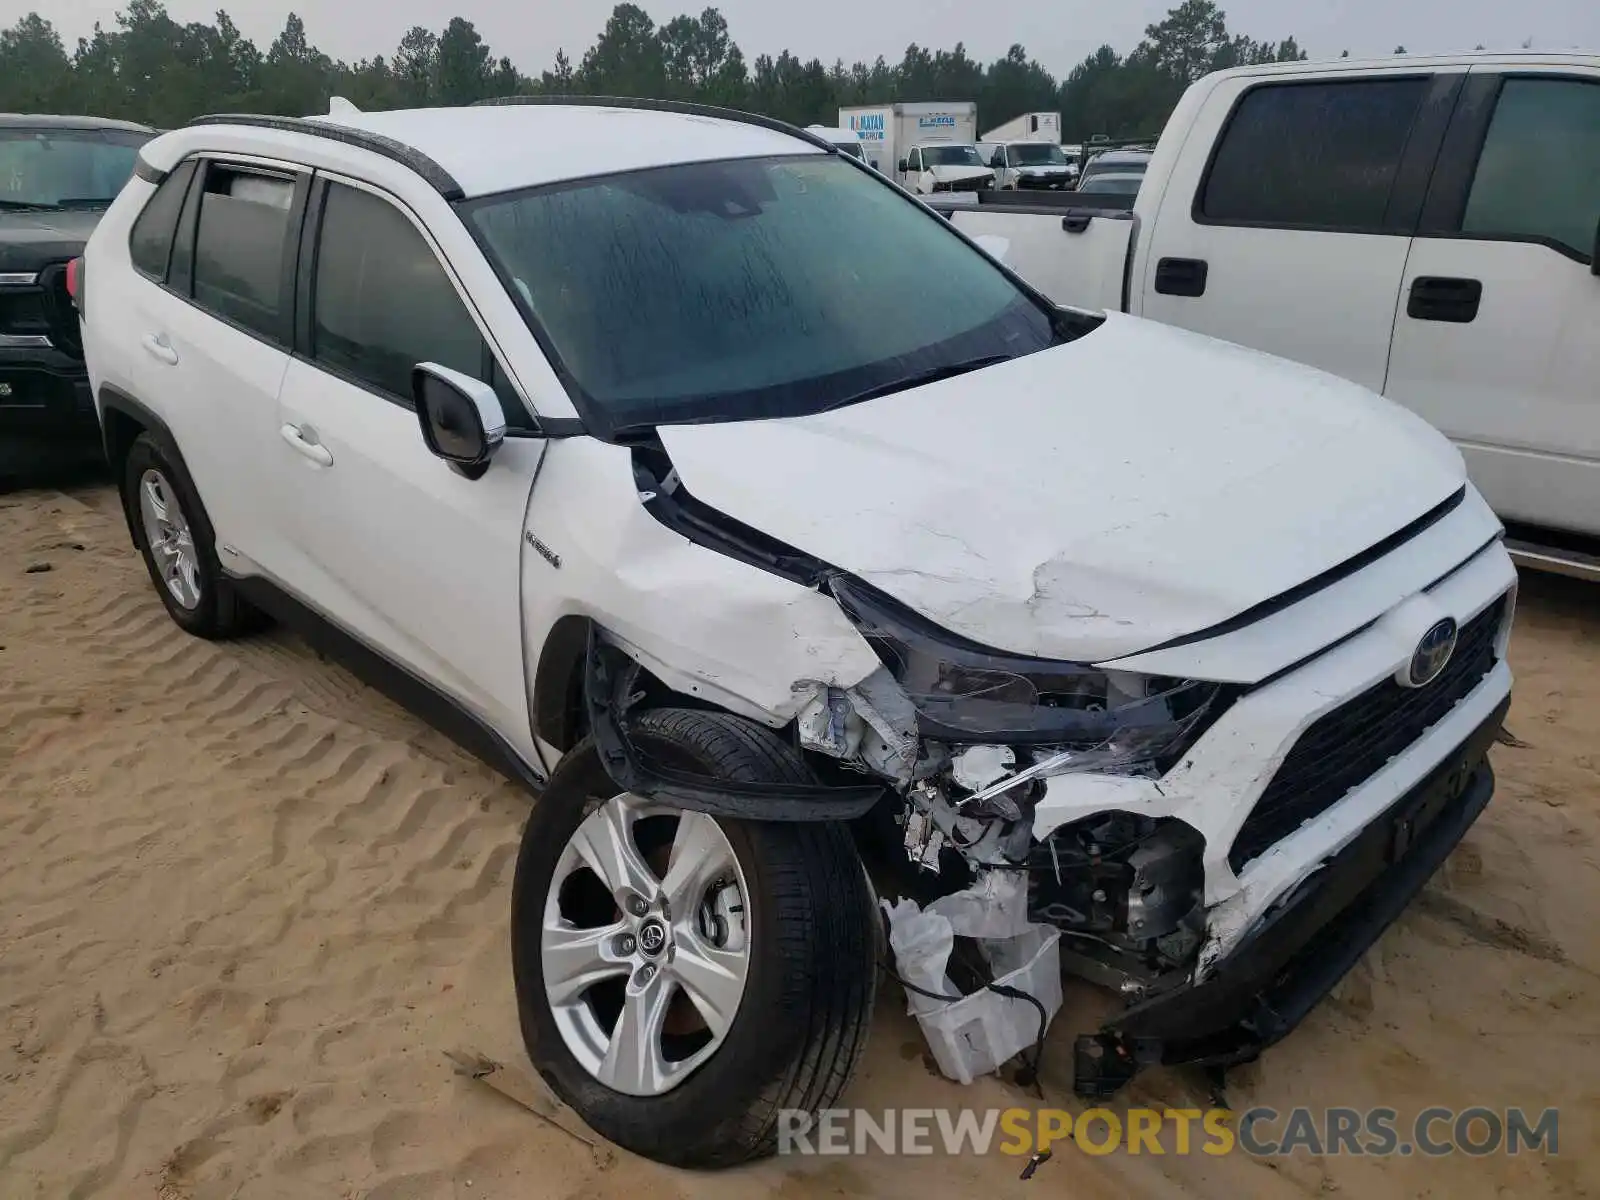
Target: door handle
point(1076, 222)
point(314, 451)
point(157, 346)
point(1182, 276)
point(1440, 298)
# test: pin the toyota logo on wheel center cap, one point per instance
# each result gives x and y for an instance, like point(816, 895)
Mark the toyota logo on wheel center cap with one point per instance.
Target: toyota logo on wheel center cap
point(652, 937)
point(1432, 653)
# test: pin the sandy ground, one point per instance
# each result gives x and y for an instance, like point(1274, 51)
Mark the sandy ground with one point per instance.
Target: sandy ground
point(246, 906)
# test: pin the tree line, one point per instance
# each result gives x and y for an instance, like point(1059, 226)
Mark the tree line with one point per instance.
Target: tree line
point(151, 68)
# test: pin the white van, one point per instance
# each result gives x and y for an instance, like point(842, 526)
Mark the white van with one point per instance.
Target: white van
point(847, 140)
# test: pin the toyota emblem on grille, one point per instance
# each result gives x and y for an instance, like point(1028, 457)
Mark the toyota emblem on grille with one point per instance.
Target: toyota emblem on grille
point(1432, 653)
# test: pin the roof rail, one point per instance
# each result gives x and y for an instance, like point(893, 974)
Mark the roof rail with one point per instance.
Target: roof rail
point(685, 107)
point(436, 176)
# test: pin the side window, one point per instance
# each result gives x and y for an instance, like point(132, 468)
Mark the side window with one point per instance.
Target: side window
point(1539, 174)
point(150, 242)
point(240, 246)
point(1317, 155)
point(382, 301)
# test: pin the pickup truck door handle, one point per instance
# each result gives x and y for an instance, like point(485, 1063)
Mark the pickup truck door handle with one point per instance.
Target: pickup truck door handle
point(314, 451)
point(157, 347)
point(1182, 276)
point(1440, 298)
point(1076, 222)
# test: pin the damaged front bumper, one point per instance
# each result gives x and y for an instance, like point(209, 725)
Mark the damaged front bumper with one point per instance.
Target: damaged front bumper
point(1300, 949)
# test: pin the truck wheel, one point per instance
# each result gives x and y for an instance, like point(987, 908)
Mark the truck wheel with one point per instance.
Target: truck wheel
point(682, 978)
point(173, 534)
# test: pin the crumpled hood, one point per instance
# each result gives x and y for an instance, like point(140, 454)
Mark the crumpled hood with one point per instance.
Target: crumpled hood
point(955, 174)
point(31, 240)
point(1089, 501)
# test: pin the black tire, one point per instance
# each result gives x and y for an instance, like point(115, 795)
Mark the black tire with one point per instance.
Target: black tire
point(803, 1021)
point(221, 612)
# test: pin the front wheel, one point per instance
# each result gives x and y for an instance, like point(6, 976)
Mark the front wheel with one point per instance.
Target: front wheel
point(683, 978)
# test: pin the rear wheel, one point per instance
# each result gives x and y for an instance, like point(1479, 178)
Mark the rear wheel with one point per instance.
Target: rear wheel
point(682, 978)
point(173, 534)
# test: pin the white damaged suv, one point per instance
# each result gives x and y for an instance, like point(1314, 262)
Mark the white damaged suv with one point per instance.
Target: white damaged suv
point(710, 483)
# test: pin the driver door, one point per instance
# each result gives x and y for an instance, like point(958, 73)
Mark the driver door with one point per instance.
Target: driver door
point(389, 542)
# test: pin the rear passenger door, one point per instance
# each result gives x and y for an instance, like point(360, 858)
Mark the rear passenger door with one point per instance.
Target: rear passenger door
point(1287, 217)
point(388, 542)
point(1497, 339)
point(209, 331)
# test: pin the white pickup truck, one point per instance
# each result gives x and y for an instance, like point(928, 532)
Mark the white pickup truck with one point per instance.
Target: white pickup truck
point(1426, 227)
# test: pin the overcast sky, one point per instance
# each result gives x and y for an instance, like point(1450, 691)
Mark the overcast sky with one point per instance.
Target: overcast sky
point(1057, 32)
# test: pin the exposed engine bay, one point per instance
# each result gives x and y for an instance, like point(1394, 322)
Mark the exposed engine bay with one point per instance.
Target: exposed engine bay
point(1126, 890)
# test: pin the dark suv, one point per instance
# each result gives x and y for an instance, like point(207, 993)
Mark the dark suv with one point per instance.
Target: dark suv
point(57, 175)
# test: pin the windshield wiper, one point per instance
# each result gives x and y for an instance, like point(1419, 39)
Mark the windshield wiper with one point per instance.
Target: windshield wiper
point(26, 206)
point(81, 202)
point(933, 375)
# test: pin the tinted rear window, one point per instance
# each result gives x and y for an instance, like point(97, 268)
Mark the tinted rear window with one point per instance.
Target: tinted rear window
point(1320, 155)
point(150, 243)
point(240, 246)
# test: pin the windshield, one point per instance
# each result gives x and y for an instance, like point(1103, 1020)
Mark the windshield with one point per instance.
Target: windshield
point(1126, 185)
point(1115, 166)
point(1037, 154)
point(65, 168)
point(951, 156)
point(745, 289)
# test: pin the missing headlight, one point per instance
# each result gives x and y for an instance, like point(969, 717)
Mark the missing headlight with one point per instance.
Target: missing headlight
point(967, 693)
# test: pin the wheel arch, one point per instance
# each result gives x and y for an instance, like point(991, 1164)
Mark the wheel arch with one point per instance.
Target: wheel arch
point(614, 685)
point(122, 419)
point(560, 713)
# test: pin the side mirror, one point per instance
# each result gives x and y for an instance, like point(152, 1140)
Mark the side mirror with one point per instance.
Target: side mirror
point(461, 417)
point(902, 167)
point(999, 160)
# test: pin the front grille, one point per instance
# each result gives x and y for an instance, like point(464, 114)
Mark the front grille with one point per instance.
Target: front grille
point(42, 308)
point(1348, 746)
point(22, 311)
point(59, 309)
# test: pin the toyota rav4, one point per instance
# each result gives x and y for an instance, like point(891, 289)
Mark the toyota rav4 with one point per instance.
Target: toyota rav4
point(729, 496)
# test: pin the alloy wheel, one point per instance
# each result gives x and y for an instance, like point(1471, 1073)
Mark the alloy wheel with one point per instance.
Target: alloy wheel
point(645, 943)
point(171, 542)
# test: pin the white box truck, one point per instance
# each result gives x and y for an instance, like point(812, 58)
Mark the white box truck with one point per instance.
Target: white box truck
point(894, 134)
point(1029, 127)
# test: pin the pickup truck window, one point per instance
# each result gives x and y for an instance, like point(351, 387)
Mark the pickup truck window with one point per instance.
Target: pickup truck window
point(747, 288)
point(1539, 174)
point(1320, 155)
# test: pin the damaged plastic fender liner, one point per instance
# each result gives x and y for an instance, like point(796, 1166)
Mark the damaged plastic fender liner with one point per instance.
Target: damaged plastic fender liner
point(606, 680)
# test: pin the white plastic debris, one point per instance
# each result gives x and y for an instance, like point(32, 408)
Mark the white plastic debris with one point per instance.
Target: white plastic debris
point(976, 767)
point(974, 1035)
point(996, 907)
